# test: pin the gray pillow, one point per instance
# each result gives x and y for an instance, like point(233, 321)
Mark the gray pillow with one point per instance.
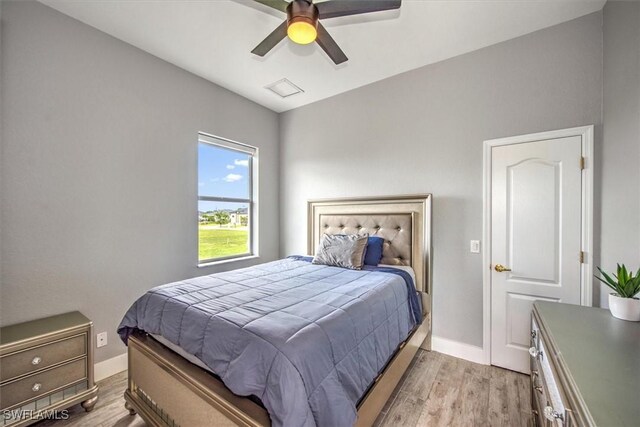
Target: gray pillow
point(341, 250)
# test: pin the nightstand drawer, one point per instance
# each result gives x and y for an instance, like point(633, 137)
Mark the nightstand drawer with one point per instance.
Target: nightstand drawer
point(34, 359)
point(36, 385)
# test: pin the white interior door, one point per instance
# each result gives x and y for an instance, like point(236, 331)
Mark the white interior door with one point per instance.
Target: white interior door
point(536, 220)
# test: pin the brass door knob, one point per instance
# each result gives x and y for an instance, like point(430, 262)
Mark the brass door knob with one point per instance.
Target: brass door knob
point(500, 268)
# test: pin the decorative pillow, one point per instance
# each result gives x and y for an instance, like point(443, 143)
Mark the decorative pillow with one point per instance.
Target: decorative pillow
point(373, 254)
point(341, 250)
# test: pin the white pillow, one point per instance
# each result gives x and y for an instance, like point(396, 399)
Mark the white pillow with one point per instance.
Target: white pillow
point(342, 250)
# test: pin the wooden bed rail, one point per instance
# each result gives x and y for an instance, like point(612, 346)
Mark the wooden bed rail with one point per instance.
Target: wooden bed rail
point(166, 390)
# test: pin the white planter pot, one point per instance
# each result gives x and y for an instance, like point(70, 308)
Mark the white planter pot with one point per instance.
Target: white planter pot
point(624, 308)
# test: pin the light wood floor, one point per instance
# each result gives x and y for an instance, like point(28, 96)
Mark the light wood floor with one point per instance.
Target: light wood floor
point(440, 390)
point(436, 390)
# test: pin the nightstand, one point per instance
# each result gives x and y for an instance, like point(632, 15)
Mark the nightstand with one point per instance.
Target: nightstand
point(46, 365)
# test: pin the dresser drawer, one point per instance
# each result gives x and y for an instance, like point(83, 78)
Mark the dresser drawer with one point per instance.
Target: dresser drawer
point(39, 384)
point(36, 358)
point(546, 389)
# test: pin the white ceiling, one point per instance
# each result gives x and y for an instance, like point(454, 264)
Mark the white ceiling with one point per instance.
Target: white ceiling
point(214, 38)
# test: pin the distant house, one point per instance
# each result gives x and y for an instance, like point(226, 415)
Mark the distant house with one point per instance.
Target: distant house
point(239, 217)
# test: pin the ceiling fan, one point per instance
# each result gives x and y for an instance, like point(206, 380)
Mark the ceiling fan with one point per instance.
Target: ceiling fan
point(303, 22)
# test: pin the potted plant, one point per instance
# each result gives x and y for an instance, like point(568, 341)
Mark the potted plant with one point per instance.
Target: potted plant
point(623, 303)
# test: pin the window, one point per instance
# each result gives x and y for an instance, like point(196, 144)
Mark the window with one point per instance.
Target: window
point(225, 199)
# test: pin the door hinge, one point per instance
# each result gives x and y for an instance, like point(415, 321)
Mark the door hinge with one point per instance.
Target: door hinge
point(582, 162)
point(581, 257)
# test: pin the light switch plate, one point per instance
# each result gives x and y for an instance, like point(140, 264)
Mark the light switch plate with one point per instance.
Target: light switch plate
point(474, 246)
point(101, 339)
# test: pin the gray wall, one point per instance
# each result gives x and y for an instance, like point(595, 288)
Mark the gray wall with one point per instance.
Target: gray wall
point(422, 131)
point(98, 179)
point(99, 168)
point(620, 154)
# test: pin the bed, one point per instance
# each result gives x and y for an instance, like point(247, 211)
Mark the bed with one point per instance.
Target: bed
point(299, 344)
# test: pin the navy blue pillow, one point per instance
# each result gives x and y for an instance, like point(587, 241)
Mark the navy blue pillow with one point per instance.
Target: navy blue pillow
point(373, 254)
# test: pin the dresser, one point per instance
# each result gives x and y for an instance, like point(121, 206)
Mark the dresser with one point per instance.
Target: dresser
point(585, 367)
point(46, 366)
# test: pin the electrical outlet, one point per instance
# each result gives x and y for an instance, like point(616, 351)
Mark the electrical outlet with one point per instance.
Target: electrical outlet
point(474, 246)
point(101, 340)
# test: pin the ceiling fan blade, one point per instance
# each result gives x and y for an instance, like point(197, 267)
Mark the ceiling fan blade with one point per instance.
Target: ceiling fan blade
point(329, 45)
point(280, 5)
point(336, 8)
point(272, 40)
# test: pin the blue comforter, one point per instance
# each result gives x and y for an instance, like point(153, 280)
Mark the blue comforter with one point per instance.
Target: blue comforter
point(308, 340)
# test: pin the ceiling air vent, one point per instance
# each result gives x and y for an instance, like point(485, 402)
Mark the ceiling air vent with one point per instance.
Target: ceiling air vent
point(284, 88)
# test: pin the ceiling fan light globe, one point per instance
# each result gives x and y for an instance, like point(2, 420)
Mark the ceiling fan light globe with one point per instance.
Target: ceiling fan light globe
point(302, 31)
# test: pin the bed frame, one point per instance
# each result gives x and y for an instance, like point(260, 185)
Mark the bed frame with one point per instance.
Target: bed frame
point(167, 390)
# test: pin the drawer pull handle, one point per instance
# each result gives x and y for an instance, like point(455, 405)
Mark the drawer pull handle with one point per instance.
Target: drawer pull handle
point(534, 352)
point(36, 387)
point(534, 373)
point(36, 360)
point(538, 388)
point(551, 414)
point(533, 333)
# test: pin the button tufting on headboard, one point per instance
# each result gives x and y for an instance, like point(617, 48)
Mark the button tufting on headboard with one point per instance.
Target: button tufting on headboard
point(403, 222)
point(395, 229)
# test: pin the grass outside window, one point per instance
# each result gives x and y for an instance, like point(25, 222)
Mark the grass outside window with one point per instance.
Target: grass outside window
point(215, 241)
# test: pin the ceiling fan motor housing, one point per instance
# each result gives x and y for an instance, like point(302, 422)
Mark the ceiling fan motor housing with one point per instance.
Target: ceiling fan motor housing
point(302, 11)
point(303, 24)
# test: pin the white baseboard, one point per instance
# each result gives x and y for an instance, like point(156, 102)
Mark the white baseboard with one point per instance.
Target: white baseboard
point(458, 349)
point(106, 368)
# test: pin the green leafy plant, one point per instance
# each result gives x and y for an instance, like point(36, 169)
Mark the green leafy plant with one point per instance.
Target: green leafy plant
point(626, 285)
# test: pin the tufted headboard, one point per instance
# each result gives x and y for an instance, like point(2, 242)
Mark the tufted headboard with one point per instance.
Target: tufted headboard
point(394, 228)
point(404, 222)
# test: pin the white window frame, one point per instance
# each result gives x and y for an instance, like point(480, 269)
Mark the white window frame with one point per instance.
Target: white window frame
point(228, 144)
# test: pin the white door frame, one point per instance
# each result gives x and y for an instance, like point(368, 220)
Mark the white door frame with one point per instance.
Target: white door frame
point(586, 276)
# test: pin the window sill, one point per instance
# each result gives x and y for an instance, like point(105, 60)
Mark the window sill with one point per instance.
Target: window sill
point(227, 261)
